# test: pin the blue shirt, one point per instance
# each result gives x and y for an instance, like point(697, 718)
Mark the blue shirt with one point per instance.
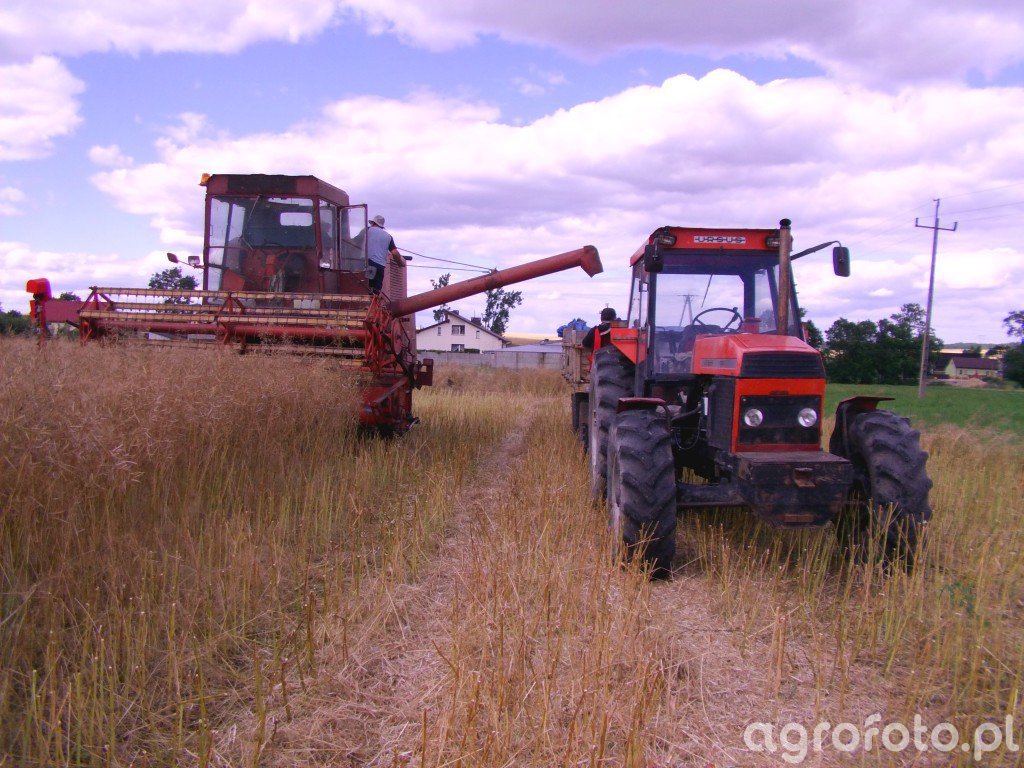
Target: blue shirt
point(378, 244)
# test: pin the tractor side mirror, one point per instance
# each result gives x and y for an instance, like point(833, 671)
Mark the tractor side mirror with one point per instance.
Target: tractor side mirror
point(841, 260)
point(652, 258)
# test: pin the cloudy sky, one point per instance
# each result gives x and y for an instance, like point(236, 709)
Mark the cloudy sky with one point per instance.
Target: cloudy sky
point(494, 132)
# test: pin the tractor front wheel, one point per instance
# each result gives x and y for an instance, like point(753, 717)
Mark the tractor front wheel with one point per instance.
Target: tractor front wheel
point(889, 496)
point(611, 378)
point(642, 490)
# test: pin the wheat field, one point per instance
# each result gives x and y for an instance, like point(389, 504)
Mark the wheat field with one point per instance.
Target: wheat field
point(202, 563)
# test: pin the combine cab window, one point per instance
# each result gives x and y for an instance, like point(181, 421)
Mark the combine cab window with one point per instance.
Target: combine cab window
point(251, 238)
point(280, 222)
point(353, 238)
point(328, 235)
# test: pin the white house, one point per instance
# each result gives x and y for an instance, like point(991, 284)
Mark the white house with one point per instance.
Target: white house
point(455, 333)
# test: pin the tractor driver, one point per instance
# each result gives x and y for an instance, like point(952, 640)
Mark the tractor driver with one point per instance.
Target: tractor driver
point(379, 245)
point(599, 335)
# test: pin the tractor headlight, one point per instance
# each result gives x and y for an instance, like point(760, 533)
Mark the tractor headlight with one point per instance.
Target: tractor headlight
point(753, 417)
point(807, 417)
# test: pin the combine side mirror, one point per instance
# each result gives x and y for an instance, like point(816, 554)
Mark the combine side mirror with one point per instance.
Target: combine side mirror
point(193, 261)
point(841, 260)
point(652, 258)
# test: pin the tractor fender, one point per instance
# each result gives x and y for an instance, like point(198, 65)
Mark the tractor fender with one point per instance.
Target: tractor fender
point(845, 411)
point(639, 404)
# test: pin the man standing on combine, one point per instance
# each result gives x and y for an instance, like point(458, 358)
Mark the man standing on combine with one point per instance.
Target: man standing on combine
point(379, 245)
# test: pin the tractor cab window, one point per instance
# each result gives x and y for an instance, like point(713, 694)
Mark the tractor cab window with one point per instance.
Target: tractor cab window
point(638, 298)
point(690, 304)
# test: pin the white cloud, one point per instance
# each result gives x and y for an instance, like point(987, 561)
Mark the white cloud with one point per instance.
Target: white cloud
point(723, 151)
point(68, 271)
point(878, 41)
point(10, 197)
point(871, 40)
point(37, 105)
point(70, 27)
point(539, 82)
point(110, 156)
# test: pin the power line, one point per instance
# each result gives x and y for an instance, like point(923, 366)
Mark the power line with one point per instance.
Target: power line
point(989, 207)
point(446, 261)
point(477, 270)
point(982, 191)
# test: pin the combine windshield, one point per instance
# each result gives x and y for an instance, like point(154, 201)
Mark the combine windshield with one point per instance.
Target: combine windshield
point(246, 234)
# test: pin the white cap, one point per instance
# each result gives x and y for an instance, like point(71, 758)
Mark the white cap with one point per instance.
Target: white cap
point(378, 220)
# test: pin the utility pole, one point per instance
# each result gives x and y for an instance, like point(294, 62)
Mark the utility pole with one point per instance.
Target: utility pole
point(926, 336)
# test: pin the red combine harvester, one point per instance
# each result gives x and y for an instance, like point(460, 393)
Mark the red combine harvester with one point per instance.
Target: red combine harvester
point(708, 396)
point(284, 268)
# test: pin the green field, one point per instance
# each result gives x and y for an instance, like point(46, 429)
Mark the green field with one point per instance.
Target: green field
point(996, 409)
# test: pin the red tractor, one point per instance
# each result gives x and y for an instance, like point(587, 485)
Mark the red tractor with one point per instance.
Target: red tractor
point(285, 268)
point(708, 396)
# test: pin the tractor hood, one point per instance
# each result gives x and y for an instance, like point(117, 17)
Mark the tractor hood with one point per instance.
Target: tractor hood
point(761, 356)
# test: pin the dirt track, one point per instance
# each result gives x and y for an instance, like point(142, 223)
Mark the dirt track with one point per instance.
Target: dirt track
point(520, 644)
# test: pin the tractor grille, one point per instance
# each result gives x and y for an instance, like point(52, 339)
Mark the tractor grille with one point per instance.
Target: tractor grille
point(782, 365)
point(780, 425)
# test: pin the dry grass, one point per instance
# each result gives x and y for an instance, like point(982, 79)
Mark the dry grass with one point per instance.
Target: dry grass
point(203, 565)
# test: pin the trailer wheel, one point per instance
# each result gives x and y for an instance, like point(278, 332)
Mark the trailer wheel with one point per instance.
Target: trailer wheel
point(642, 490)
point(889, 496)
point(611, 378)
point(581, 418)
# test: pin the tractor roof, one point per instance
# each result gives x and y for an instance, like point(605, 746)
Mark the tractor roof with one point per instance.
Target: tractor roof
point(277, 185)
point(705, 241)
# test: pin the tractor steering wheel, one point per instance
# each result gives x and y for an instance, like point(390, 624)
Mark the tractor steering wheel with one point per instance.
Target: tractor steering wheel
point(736, 317)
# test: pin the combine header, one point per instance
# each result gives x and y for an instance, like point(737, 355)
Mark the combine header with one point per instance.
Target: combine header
point(285, 268)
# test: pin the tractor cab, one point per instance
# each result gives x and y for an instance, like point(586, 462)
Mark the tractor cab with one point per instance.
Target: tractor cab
point(694, 284)
point(282, 234)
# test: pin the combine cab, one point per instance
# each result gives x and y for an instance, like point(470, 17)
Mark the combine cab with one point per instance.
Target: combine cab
point(284, 268)
point(708, 396)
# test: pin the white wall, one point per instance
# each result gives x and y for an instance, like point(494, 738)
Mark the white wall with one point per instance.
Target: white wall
point(443, 337)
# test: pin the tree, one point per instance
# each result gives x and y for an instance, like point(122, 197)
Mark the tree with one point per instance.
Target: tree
point(811, 331)
point(1013, 364)
point(69, 296)
point(499, 304)
point(886, 352)
point(441, 282)
point(1014, 323)
point(849, 357)
point(13, 322)
point(1013, 360)
point(911, 316)
point(172, 280)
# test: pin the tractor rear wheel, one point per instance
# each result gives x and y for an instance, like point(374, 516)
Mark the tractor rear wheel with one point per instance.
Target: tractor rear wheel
point(642, 490)
point(611, 378)
point(889, 496)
